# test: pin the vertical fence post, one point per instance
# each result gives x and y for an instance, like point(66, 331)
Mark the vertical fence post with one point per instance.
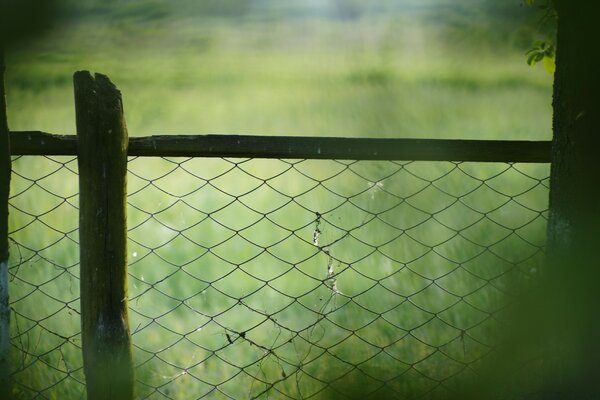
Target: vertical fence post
point(5, 169)
point(102, 160)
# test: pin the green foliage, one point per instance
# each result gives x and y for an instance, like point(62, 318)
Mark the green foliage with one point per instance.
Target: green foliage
point(25, 19)
point(544, 50)
point(546, 5)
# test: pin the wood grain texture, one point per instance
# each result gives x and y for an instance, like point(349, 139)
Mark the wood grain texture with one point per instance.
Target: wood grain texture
point(102, 160)
point(297, 147)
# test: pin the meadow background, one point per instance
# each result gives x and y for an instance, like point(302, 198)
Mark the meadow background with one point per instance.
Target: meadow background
point(391, 68)
point(231, 296)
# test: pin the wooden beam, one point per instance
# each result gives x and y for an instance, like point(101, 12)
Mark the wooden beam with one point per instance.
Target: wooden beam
point(298, 147)
point(102, 160)
point(36, 143)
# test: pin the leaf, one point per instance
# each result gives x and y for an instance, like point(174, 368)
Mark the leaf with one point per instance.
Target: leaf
point(550, 64)
point(540, 51)
point(534, 57)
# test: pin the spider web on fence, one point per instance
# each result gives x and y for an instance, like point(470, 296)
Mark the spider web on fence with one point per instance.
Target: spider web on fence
point(253, 278)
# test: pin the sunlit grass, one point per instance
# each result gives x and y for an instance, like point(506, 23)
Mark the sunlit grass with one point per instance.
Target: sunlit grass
point(308, 78)
point(363, 101)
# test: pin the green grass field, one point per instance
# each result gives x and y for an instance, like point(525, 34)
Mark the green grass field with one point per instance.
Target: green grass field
point(230, 294)
point(399, 75)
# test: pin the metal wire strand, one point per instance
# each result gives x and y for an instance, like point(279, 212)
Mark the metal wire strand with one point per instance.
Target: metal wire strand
point(287, 279)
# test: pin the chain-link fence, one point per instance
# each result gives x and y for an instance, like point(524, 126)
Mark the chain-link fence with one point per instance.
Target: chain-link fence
point(283, 279)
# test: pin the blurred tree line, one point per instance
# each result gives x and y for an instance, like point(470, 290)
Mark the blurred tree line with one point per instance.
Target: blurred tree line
point(484, 23)
point(334, 9)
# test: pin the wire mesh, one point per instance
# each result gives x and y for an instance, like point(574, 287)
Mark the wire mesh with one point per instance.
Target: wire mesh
point(44, 286)
point(291, 279)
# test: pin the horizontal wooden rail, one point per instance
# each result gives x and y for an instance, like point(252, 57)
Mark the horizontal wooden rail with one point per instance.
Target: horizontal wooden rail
point(295, 147)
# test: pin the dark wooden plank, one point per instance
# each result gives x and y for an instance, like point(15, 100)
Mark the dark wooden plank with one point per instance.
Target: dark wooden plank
point(36, 143)
point(102, 160)
point(307, 147)
point(339, 148)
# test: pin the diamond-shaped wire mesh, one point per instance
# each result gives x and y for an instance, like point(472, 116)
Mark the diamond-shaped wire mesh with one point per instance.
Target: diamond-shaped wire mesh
point(253, 278)
point(44, 278)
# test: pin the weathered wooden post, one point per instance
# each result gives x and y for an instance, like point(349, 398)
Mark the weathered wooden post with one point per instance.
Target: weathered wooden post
point(5, 169)
point(102, 160)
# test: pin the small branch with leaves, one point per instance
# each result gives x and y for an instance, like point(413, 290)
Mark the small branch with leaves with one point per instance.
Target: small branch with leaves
point(544, 50)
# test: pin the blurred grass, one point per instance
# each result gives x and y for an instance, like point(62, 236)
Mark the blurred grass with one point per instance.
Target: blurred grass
point(441, 69)
point(398, 75)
